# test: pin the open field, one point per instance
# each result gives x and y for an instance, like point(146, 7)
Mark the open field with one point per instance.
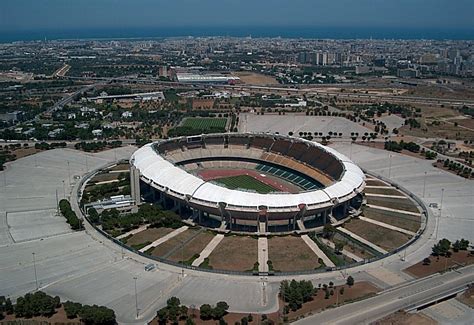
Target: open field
point(290, 253)
point(440, 264)
point(148, 235)
point(443, 130)
point(246, 182)
point(238, 253)
point(382, 237)
point(358, 291)
point(403, 221)
point(399, 204)
point(256, 78)
point(174, 243)
point(193, 247)
point(204, 123)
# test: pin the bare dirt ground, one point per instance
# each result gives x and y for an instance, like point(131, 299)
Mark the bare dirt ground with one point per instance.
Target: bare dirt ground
point(359, 290)
point(467, 297)
point(120, 167)
point(195, 246)
point(172, 243)
point(375, 182)
point(443, 91)
point(290, 253)
point(256, 78)
point(382, 237)
point(148, 235)
point(237, 253)
point(403, 221)
point(399, 204)
point(58, 318)
point(466, 122)
point(404, 318)
point(440, 264)
point(230, 318)
point(23, 152)
point(385, 191)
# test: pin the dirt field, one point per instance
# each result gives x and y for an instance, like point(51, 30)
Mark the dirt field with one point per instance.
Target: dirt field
point(230, 318)
point(105, 177)
point(382, 237)
point(358, 291)
point(195, 246)
point(148, 235)
point(237, 253)
point(403, 221)
point(440, 264)
point(466, 122)
point(385, 191)
point(121, 167)
point(174, 243)
point(374, 182)
point(23, 152)
point(404, 318)
point(256, 78)
point(290, 253)
point(58, 318)
point(444, 130)
point(399, 204)
point(467, 297)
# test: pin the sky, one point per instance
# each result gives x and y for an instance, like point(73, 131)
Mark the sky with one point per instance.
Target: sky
point(26, 15)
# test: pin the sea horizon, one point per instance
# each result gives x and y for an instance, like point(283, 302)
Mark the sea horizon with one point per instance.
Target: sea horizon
point(254, 32)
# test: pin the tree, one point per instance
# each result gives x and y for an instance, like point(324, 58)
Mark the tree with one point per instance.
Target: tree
point(339, 246)
point(350, 281)
point(220, 310)
point(426, 261)
point(328, 231)
point(205, 311)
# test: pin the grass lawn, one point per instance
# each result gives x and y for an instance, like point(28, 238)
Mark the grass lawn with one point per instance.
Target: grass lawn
point(399, 204)
point(245, 182)
point(173, 245)
point(237, 253)
point(193, 247)
point(382, 237)
point(204, 123)
point(148, 235)
point(291, 253)
point(384, 191)
point(403, 221)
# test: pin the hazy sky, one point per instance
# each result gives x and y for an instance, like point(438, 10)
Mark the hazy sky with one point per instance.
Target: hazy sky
point(16, 15)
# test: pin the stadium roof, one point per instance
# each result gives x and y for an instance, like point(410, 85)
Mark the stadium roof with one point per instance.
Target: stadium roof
point(177, 182)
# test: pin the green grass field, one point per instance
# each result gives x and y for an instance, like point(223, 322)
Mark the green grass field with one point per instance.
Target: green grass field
point(246, 182)
point(204, 123)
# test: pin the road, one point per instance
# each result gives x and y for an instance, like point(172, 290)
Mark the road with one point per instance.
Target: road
point(389, 301)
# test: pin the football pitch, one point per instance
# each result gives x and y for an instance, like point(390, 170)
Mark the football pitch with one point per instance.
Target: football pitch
point(245, 182)
point(204, 123)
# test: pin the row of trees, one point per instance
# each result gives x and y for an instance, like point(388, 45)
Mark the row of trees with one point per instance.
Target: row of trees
point(459, 168)
point(97, 145)
point(443, 247)
point(40, 304)
point(402, 145)
point(174, 312)
point(70, 215)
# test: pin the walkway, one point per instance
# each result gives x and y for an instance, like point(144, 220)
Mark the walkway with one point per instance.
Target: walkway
point(393, 210)
point(133, 232)
point(386, 225)
point(165, 238)
point(362, 240)
point(262, 255)
point(319, 253)
point(208, 250)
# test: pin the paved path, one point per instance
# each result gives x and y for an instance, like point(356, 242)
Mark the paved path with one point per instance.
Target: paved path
point(133, 232)
point(300, 224)
point(319, 253)
point(362, 240)
point(165, 238)
point(262, 255)
point(393, 210)
point(386, 225)
point(344, 251)
point(386, 195)
point(208, 249)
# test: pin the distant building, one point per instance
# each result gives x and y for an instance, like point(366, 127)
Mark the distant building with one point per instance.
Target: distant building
point(408, 73)
point(163, 71)
point(186, 77)
point(15, 116)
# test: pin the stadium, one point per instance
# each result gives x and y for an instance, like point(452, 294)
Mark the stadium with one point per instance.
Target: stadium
point(248, 182)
